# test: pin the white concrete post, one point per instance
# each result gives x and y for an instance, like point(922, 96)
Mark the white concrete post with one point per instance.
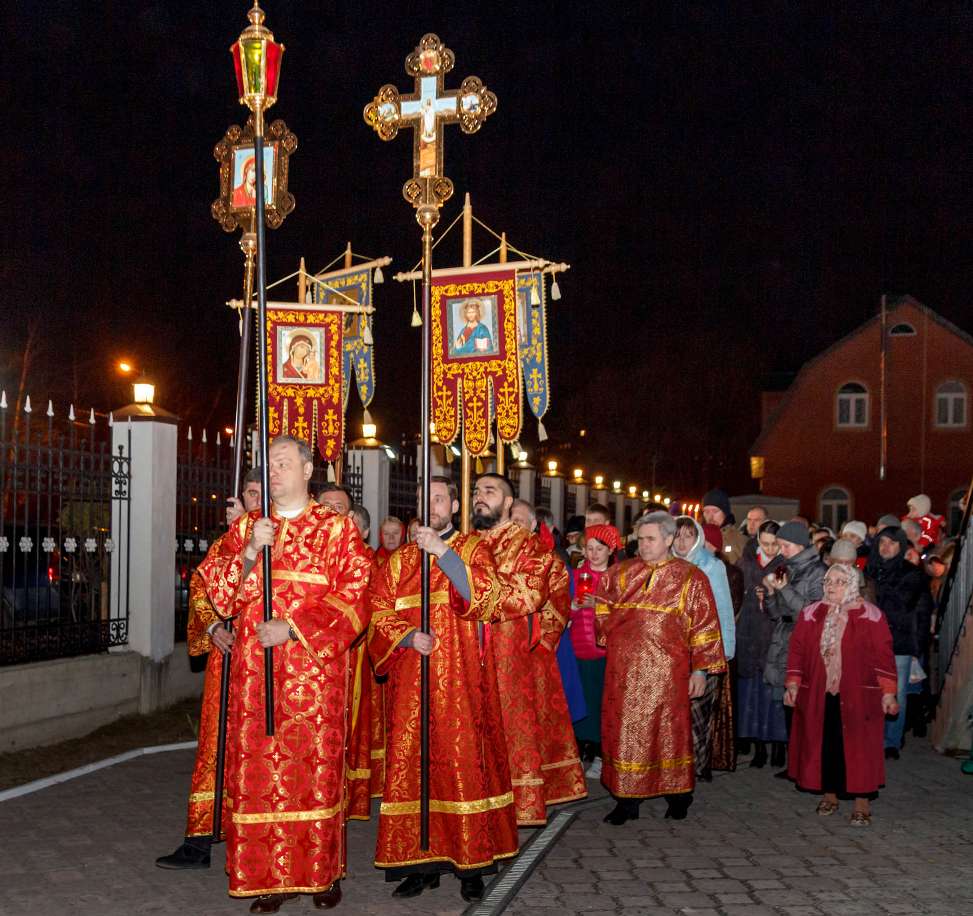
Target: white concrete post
point(526, 488)
point(147, 549)
point(557, 501)
point(620, 512)
point(374, 465)
point(580, 498)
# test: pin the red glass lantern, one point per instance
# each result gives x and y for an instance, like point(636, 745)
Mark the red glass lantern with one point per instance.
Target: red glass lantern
point(256, 59)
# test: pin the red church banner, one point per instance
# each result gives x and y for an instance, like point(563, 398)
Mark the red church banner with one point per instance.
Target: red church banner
point(304, 390)
point(475, 368)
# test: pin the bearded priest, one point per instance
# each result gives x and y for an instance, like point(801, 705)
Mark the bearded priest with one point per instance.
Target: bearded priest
point(544, 764)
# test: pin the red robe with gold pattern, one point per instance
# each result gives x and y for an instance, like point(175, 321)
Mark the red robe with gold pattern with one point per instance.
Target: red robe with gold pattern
point(286, 794)
point(658, 624)
point(543, 753)
point(199, 817)
point(472, 821)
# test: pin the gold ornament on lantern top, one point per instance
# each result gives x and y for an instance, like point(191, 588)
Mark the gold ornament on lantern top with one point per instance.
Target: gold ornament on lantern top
point(426, 111)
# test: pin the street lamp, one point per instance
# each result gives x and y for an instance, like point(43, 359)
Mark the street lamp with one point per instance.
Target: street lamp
point(256, 60)
point(143, 391)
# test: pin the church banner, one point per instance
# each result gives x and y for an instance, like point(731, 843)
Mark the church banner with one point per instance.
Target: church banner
point(304, 384)
point(475, 367)
point(532, 340)
point(349, 288)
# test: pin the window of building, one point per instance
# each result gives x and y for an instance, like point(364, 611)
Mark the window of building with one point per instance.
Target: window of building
point(951, 404)
point(853, 405)
point(903, 329)
point(835, 508)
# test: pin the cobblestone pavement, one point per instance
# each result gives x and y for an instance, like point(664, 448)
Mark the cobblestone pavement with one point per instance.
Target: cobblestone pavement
point(752, 845)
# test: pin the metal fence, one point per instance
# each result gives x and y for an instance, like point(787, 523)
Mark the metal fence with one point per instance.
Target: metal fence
point(403, 481)
point(544, 493)
point(64, 535)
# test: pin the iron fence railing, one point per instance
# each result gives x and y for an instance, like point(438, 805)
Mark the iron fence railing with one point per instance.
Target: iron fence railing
point(403, 484)
point(64, 535)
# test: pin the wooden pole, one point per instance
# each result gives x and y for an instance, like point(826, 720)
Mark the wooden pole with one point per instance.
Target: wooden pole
point(501, 463)
point(466, 463)
point(302, 284)
point(348, 256)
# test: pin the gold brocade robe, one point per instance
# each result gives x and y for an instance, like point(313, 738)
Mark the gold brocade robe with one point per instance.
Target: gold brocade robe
point(658, 624)
point(286, 793)
point(472, 822)
point(541, 747)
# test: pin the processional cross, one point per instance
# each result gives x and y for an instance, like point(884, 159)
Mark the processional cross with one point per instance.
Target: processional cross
point(426, 111)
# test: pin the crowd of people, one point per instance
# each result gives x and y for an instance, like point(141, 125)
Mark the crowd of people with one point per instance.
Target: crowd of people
point(644, 662)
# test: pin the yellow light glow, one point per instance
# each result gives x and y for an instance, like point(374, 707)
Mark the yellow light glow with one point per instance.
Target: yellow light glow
point(144, 392)
point(125, 367)
point(632, 490)
point(616, 484)
point(645, 494)
point(552, 466)
point(658, 497)
point(578, 473)
point(368, 430)
point(228, 430)
point(666, 501)
point(599, 480)
point(522, 457)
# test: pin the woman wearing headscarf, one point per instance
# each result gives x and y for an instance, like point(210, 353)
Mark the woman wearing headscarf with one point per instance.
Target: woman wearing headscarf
point(690, 544)
point(760, 715)
point(601, 544)
point(841, 683)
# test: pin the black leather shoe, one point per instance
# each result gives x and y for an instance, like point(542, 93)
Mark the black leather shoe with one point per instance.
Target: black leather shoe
point(620, 814)
point(471, 889)
point(414, 885)
point(186, 856)
point(891, 753)
point(329, 899)
point(270, 903)
point(778, 754)
point(679, 806)
point(782, 774)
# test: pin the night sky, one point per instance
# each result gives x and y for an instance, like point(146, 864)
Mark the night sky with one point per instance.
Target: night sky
point(734, 185)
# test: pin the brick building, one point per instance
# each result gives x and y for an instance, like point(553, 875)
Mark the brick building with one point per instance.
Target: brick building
point(821, 439)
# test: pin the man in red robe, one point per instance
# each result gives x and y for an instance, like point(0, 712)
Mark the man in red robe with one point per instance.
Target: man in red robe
point(544, 764)
point(472, 820)
point(204, 634)
point(391, 536)
point(285, 833)
point(656, 616)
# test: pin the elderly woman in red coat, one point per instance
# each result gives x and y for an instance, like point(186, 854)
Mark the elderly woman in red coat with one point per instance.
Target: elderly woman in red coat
point(841, 682)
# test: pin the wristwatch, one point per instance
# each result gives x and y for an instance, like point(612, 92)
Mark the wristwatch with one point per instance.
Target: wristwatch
point(291, 634)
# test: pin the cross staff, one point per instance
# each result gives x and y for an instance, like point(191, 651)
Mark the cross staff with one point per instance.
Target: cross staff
point(426, 111)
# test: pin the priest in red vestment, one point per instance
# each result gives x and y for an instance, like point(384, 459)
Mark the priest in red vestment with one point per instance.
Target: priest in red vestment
point(205, 634)
point(285, 834)
point(544, 764)
point(656, 617)
point(391, 536)
point(472, 820)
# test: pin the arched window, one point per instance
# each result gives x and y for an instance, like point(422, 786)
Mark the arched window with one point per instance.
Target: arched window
point(903, 329)
point(951, 404)
point(835, 508)
point(853, 405)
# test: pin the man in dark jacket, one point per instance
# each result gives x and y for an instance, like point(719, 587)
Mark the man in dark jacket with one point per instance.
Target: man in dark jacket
point(717, 511)
point(903, 596)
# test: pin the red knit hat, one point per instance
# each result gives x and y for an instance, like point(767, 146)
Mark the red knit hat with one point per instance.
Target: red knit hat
point(713, 535)
point(607, 534)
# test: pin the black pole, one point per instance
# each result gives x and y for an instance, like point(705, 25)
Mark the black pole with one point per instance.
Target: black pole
point(426, 489)
point(247, 243)
point(258, 149)
point(221, 740)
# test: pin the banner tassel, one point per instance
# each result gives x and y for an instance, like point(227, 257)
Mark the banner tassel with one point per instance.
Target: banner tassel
point(331, 477)
point(366, 335)
point(555, 289)
point(378, 276)
point(541, 432)
point(416, 318)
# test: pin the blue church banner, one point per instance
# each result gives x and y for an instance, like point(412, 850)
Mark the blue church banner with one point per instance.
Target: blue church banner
point(348, 288)
point(532, 340)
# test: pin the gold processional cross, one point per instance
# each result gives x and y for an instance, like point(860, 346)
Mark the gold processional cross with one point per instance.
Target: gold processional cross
point(426, 111)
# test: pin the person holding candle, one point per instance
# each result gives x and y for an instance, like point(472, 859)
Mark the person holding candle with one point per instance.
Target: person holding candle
point(601, 543)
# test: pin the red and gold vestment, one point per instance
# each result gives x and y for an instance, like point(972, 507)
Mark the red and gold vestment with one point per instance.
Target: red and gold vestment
point(286, 794)
point(658, 624)
point(199, 818)
point(543, 753)
point(472, 821)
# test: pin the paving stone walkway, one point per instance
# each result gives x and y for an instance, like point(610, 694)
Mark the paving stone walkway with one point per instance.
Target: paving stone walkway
point(752, 845)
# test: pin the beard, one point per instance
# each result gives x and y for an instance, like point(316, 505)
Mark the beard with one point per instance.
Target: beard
point(485, 518)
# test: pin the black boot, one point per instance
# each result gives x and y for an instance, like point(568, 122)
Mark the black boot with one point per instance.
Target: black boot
point(194, 853)
point(679, 805)
point(626, 809)
point(759, 754)
point(471, 889)
point(778, 754)
point(743, 747)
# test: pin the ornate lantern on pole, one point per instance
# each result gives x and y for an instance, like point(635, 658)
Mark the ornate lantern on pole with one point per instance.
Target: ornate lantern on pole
point(256, 60)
